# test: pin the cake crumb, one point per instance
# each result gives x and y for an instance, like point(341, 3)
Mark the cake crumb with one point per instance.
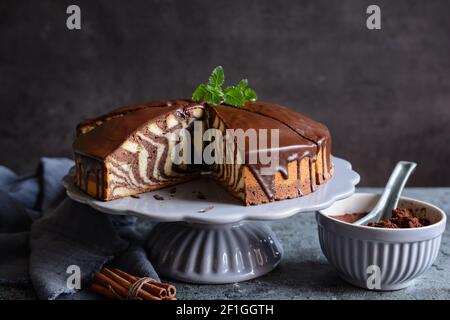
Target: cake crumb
point(206, 209)
point(135, 196)
point(158, 197)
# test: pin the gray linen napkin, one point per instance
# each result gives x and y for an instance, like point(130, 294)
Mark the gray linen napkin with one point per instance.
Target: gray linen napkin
point(42, 233)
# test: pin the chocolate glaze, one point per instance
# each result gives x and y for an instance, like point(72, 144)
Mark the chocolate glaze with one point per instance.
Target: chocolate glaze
point(304, 126)
point(112, 129)
point(300, 136)
point(301, 124)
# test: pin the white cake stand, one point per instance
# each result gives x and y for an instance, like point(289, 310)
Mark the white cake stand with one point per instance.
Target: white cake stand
point(206, 235)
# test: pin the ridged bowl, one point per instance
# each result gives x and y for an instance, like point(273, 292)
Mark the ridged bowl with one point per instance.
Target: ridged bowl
point(379, 258)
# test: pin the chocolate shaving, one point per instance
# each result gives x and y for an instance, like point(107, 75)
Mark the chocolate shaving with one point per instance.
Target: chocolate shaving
point(158, 197)
point(201, 196)
point(135, 196)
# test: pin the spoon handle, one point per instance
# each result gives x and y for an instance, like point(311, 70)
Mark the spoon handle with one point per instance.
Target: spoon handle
point(394, 187)
point(391, 194)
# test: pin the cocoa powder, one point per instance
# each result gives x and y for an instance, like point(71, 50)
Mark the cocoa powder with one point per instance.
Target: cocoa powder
point(401, 218)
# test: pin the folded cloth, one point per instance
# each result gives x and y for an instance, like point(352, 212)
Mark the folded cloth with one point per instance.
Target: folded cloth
point(44, 234)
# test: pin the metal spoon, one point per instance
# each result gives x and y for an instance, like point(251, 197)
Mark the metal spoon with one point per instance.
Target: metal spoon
point(391, 194)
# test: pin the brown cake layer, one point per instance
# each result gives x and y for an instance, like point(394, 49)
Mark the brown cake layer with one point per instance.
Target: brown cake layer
point(127, 151)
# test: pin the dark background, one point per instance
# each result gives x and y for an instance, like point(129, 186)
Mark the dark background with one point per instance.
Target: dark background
point(385, 94)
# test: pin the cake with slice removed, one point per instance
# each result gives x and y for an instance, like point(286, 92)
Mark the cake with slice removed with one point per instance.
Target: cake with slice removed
point(127, 151)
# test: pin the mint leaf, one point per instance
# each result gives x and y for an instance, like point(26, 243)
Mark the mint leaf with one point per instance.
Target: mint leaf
point(250, 94)
point(200, 93)
point(242, 84)
point(213, 95)
point(217, 77)
point(234, 96)
point(212, 92)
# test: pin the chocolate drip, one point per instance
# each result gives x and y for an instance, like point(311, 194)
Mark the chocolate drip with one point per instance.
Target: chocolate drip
point(312, 178)
point(239, 173)
point(99, 185)
point(86, 179)
point(86, 168)
point(299, 175)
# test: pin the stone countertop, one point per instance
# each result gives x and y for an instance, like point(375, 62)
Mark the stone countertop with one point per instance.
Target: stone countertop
point(304, 273)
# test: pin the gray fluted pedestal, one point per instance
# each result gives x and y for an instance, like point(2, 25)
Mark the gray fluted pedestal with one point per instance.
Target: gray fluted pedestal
point(206, 253)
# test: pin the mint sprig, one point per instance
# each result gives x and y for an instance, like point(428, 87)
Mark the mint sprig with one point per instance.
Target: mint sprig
point(216, 78)
point(213, 93)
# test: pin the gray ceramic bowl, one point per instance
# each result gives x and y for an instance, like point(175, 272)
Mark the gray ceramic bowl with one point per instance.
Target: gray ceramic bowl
point(379, 258)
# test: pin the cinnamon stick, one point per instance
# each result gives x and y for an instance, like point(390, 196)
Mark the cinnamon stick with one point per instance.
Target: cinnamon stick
point(103, 291)
point(149, 287)
point(125, 283)
point(107, 282)
point(117, 284)
point(170, 289)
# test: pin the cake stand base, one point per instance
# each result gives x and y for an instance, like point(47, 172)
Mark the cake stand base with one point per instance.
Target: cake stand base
point(213, 253)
